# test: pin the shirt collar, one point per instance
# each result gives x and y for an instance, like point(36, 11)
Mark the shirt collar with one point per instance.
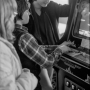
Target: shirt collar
point(21, 27)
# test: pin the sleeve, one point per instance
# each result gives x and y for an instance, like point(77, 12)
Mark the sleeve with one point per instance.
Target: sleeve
point(35, 52)
point(26, 81)
point(60, 10)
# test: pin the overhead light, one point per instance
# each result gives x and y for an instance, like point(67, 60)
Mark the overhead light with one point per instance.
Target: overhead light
point(62, 2)
point(82, 20)
point(88, 24)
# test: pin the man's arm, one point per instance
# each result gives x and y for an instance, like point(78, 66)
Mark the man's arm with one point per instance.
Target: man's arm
point(32, 50)
point(60, 10)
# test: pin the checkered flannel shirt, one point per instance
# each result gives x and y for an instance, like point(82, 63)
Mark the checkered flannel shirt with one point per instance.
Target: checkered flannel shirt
point(35, 52)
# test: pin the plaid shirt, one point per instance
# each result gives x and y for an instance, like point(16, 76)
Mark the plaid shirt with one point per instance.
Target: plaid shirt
point(35, 52)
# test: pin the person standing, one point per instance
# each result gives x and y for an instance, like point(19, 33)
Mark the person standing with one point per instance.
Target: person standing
point(12, 76)
point(44, 20)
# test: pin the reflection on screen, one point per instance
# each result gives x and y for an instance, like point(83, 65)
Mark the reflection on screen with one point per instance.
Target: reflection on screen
point(85, 24)
point(81, 23)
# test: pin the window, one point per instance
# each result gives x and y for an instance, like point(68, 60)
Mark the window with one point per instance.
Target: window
point(62, 21)
point(61, 1)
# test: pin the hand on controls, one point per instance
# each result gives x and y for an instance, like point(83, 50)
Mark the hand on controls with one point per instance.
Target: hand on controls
point(65, 47)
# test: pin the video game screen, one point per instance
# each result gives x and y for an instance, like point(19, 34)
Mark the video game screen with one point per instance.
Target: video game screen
point(82, 20)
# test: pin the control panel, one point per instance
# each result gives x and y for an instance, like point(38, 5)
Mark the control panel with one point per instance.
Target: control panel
point(70, 85)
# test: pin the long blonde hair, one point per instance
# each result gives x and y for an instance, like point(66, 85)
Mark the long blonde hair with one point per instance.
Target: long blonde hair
point(7, 8)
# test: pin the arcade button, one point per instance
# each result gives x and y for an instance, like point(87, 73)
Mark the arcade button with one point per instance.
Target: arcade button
point(73, 87)
point(67, 83)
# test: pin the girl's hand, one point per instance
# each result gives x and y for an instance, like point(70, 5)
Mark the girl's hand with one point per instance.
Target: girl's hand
point(64, 47)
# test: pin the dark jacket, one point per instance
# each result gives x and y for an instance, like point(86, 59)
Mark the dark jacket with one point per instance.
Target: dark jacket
point(51, 16)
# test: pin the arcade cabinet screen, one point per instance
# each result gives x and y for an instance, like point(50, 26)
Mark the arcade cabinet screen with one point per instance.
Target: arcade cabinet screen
point(82, 23)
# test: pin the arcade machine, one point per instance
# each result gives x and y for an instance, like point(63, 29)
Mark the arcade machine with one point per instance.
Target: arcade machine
point(74, 66)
